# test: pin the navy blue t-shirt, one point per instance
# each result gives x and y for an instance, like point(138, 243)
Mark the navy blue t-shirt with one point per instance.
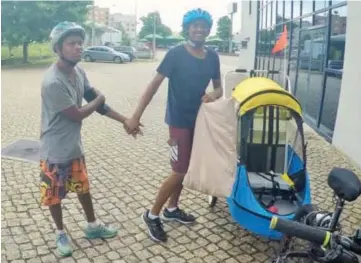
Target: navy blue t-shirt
point(188, 80)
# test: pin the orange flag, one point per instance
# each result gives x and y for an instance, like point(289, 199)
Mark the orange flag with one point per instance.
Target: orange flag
point(281, 42)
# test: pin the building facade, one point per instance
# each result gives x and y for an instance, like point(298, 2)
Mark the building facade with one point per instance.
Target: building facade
point(321, 59)
point(101, 15)
point(129, 23)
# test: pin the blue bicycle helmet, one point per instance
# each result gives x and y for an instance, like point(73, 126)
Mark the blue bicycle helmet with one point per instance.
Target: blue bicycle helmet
point(195, 14)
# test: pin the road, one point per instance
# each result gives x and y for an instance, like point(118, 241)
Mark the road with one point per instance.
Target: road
point(125, 175)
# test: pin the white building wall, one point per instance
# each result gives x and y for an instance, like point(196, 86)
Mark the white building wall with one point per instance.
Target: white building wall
point(248, 33)
point(128, 21)
point(347, 133)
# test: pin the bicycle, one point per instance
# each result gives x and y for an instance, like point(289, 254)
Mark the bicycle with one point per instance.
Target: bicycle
point(322, 228)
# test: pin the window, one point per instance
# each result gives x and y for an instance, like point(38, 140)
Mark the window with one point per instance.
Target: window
point(264, 18)
point(274, 12)
point(296, 8)
point(288, 8)
point(321, 19)
point(320, 4)
point(280, 9)
point(307, 7)
point(306, 22)
point(335, 2)
point(260, 19)
point(269, 15)
point(295, 39)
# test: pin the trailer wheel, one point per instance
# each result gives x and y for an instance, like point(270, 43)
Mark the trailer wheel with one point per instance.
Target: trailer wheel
point(212, 200)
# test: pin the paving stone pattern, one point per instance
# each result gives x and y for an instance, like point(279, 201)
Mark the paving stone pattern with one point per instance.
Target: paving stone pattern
point(125, 175)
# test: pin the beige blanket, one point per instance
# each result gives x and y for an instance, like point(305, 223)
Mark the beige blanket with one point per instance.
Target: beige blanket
point(214, 154)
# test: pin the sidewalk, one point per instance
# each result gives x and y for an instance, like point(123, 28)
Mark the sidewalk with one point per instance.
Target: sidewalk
point(125, 175)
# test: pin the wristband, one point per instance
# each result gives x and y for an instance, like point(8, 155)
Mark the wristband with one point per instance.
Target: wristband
point(90, 95)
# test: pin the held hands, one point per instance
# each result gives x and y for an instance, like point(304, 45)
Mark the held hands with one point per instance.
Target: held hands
point(132, 126)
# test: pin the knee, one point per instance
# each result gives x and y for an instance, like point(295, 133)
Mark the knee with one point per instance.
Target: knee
point(179, 177)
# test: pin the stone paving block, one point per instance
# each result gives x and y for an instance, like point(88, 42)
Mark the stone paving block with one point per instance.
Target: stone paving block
point(83, 260)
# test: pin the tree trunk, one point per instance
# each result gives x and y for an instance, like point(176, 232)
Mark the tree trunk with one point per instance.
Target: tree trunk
point(25, 52)
point(10, 48)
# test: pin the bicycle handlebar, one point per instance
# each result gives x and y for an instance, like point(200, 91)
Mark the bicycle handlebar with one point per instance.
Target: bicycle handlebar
point(293, 228)
point(312, 234)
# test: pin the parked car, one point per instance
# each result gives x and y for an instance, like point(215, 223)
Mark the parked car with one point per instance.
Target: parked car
point(335, 68)
point(143, 51)
point(130, 51)
point(104, 53)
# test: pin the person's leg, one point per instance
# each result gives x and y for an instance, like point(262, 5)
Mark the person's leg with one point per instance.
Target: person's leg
point(165, 191)
point(174, 198)
point(87, 204)
point(57, 215)
point(79, 183)
point(180, 149)
point(53, 189)
point(185, 142)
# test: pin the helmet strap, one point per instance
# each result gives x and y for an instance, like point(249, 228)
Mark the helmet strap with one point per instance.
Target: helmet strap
point(67, 61)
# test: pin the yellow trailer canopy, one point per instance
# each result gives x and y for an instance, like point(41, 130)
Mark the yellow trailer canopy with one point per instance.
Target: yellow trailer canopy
point(259, 91)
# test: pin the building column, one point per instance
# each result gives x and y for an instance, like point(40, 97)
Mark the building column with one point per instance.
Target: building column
point(248, 33)
point(347, 133)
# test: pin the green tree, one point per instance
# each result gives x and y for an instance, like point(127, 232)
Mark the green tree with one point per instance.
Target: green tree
point(23, 22)
point(223, 27)
point(148, 25)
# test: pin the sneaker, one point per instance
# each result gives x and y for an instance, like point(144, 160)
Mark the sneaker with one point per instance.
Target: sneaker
point(63, 245)
point(178, 215)
point(155, 228)
point(101, 231)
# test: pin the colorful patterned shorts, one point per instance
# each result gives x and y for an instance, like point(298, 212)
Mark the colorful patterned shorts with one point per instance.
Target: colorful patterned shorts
point(56, 180)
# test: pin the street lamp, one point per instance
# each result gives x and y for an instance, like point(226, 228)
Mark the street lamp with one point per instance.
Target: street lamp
point(92, 6)
point(136, 18)
point(93, 24)
point(232, 9)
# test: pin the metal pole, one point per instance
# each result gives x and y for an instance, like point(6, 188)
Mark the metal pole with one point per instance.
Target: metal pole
point(230, 34)
point(154, 32)
point(136, 19)
point(93, 24)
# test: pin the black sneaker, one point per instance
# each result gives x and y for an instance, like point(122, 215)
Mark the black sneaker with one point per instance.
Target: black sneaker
point(178, 215)
point(155, 228)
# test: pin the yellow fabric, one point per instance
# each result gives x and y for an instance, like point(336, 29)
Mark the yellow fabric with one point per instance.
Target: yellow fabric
point(288, 180)
point(273, 222)
point(327, 239)
point(251, 86)
point(271, 99)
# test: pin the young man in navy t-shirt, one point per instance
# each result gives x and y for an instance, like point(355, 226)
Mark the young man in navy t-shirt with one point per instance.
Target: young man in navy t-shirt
point(189, 68)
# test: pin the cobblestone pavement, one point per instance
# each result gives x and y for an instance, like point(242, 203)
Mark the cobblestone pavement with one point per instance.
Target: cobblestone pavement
point(125, 175)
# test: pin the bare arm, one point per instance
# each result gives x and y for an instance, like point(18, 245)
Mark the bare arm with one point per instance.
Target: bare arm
point(114, 115)
point(78, 114)
point(147, 96)
point(218, 91)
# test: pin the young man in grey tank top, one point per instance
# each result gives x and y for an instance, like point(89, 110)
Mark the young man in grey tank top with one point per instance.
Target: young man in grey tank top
point(62, 160)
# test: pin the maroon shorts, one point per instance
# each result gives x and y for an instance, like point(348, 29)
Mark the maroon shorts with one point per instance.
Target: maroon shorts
point(180, 142)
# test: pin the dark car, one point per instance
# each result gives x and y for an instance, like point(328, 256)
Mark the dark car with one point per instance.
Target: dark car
point(130, 51)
